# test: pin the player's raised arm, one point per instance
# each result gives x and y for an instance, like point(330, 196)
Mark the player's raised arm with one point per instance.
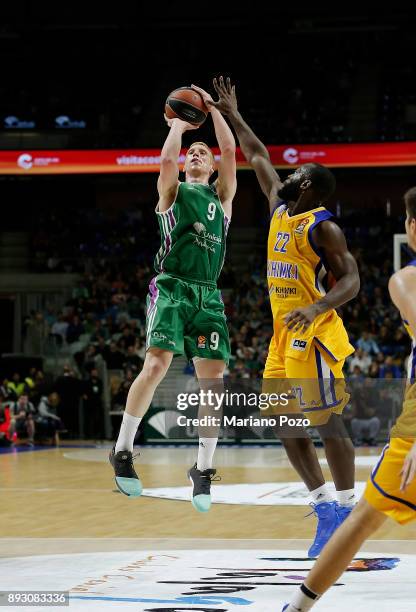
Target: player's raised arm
point(253, 149)
point(167, 183)
point(227, 180)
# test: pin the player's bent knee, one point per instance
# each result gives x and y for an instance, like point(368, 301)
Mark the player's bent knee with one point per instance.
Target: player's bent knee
point(209, 369)
point(155, 370)
point(156, 365)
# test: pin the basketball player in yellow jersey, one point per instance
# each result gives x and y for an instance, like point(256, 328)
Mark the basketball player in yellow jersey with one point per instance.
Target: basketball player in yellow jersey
point(391, 488)
point(309, 342)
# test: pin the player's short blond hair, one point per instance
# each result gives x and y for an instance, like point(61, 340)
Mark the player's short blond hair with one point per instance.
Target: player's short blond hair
point(204, 144)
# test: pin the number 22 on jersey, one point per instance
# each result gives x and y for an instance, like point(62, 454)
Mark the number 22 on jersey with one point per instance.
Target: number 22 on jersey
point(282, 238)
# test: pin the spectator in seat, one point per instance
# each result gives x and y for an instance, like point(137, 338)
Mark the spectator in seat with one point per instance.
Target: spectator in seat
point(368, 344)
point(132, 360)
point(127, 338)
point(75, 329)
point(5, 393)
point(357, 374)
point(389, 369)
point(36, 333)
point(360, 359)
point(101, 346)
point(113, 357)
point(385, 339)
point(5, 421)
point(50, 315)
point(48, 421)
point(365, 424)
point(30, 381)
point(99, 332)
point(59, 329)
point(16, 387)
point(22, 415)
point(41, 388)
point(374, 370)
point(121, 396)
point(69, 389)
point(91, 357)
point(93, 398)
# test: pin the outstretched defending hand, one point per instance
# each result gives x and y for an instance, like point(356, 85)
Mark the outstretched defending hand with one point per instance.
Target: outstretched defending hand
point(184, 124)
point(227, 103)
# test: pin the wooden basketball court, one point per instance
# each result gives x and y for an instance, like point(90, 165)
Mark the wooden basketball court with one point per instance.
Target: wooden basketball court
point(70, 493)
point(66, 527)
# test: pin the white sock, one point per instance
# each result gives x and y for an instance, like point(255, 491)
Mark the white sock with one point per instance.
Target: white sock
point(206, 452)
point(303, 600)
point(347, 497)
point(127, 433)
point(321, 494)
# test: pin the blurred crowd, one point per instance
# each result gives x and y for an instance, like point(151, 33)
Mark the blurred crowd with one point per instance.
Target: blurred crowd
point(29, 409)
point(104, 320)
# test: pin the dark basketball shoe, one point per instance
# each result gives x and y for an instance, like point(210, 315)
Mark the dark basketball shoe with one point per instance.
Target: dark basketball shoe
point(201, 493)
point(127, 480)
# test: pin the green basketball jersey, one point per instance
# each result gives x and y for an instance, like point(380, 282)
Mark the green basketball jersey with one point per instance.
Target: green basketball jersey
point(193, 233)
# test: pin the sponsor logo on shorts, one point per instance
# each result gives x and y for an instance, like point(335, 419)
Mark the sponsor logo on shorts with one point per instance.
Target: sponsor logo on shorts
point(157, 334)
point(300, 228)
point(299, 345)
point(202, 341)
point(163, 337)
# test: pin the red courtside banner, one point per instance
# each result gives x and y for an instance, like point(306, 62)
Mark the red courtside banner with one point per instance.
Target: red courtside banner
point(27, 162)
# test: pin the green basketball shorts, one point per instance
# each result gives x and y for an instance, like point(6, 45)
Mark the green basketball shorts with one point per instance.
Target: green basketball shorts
point(186, 319)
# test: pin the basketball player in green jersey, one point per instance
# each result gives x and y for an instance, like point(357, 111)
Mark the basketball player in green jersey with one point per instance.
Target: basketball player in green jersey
point(185, 312)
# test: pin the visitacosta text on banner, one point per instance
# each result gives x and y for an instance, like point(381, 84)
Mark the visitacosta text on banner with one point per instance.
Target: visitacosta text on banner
point(147, 160)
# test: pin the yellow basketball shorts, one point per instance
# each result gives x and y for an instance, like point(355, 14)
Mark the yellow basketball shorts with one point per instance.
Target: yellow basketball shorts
point(383, 487)
point(316, 381)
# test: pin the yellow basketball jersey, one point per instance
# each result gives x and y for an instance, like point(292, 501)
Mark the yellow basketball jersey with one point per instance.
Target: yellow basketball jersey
point(297, 275)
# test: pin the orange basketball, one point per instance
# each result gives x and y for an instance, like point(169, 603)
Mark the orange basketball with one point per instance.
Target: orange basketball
point(186, 104)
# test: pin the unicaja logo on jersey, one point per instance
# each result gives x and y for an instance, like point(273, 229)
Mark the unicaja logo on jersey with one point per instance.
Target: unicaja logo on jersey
point(291, 155)
point(199, 227)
